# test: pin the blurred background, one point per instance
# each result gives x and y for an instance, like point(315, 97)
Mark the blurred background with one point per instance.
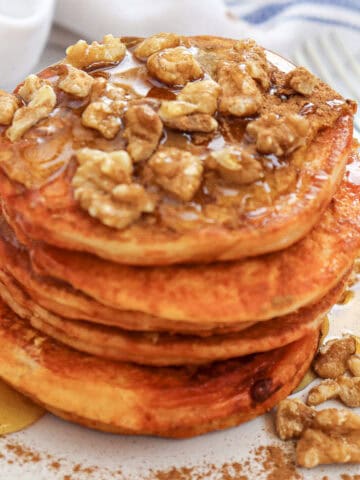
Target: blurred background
point(323, 35)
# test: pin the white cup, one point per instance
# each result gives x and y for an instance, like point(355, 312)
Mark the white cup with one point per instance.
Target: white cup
point(24, 27)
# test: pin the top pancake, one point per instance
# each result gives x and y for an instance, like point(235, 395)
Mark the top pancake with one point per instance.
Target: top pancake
point(253, 289)
point(229, 216)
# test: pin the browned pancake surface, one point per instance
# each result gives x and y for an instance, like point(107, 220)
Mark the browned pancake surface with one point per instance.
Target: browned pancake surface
point(262, 217)
point(174, 402)
point(161, 349)
point(249, 290)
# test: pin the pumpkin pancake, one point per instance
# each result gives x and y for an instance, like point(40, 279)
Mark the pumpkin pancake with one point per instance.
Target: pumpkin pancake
point(228, 178)
point(125, 398)
point(161, 349)
point(61, 298)
point(254, 289)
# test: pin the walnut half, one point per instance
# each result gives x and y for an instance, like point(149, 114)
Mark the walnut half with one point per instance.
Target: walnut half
point(301, 81)
point(82, 54)
point(102, 185)
point(327, 436)
point(240, 95)
point(332, 359)
point(8, 106)
point(143, 131)
point(236, 165)
point(334, 437)
point(255, 60)
point(193, 109)
point(155, 43)
point(75, 82)
point(276, 134)
point(174, 66)
point(177, 171)
point(41, 100)
point(292, 418)
point(347, 389)
point(104, 112)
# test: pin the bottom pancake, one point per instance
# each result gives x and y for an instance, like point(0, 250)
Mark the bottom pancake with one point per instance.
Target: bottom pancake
point(131, 399)
point(161, 349)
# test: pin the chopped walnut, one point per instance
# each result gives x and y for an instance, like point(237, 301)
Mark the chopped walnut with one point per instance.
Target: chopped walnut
point(292, 418)
point(193, 108)
point(240, 94)
point(177, 171)
point(197, 122)
point(301, 80)
point(203, 94)
point(345, 388)
point(31, 85)
point(155, 43)
point(102, 185)
point(41, 100)
point(76, 82)
point(236, 165)
point(334, 437)
point(278, 135)
point(174, 66)
point(337, 421)
point(354, 365)
point(199, 97)
point(143, 131)
point(105, 110)
point(323, 391)
point(172, 109)
point(82, 54)
point(255, 60)
point(8, 106)
point(332, 359)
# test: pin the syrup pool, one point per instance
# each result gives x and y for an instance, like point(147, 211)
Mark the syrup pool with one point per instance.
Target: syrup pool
point(16, 411)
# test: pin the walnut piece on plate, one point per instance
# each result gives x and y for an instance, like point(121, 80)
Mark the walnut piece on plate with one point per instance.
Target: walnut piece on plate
point(177, 171)
point(8, 106)
point(82, 54)
point(240, 94)
point(332, 360)
point(143, 131)
point(328, 436)
point(354, 365)
point(155, 43)
point(255, 60)
point(292, 418)
point(103, 186)
point(236, 165)
point(174, 66)
point(347, 389)
point(75, 82)
point(334, 437)
point(301, 81)
point(41, 100)
point(279, 135)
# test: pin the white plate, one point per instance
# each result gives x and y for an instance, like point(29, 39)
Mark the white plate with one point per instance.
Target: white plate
point(52, 449)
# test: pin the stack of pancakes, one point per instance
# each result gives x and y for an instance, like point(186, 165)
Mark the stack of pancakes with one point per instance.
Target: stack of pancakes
point(185, 320)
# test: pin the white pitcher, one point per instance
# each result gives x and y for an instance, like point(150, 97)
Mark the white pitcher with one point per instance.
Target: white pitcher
point(24, 27)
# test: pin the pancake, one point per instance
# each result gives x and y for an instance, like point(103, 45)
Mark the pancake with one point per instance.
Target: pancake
point(222, 220)
point(125, 398)
point(62, 299)
point(254, 289)
point(161, 349)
